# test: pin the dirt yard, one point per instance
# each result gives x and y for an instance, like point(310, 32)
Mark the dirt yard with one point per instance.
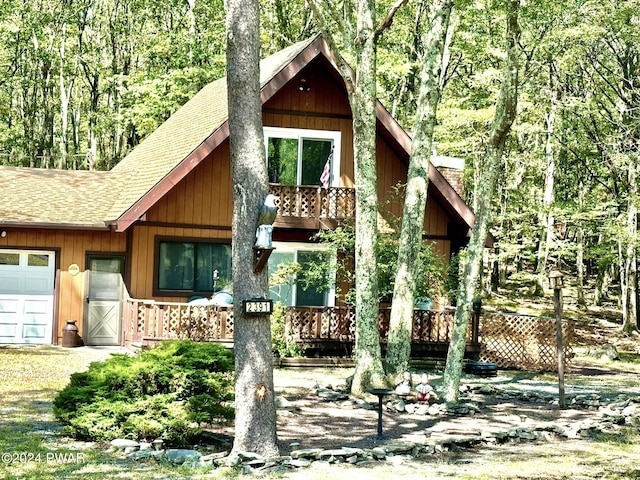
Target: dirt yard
point(32, 375)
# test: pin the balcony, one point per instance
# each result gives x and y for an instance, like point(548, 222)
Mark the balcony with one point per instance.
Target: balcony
point(312, 207)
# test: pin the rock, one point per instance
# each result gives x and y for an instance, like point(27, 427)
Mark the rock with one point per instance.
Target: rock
point(399, 406)
point(180, 456)
point(144, 454)
point(398, 447)
point(214, 456)
point(488, 390)
point(299, 462)
point(123, 443)
point(378, 453)
point(310, 453)
point(282, 403)
point(421, 410)
point(604, 352)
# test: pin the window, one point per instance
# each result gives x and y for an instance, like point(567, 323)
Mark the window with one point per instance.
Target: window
point(188, 266)
point(296, 292)
point(38, 260)
point(298, 157)
point(9, 258)
point(99, 262)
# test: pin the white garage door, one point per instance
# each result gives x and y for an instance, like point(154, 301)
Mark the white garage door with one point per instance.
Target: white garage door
point(26, 296)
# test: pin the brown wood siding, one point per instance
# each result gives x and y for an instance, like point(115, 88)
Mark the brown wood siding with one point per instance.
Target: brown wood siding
point(71, 247)
point(202, 198)
point(436, 219)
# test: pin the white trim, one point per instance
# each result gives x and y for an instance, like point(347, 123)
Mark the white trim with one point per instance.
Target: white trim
point(303, 133)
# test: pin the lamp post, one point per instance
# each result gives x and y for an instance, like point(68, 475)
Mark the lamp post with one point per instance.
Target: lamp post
point(556, 282)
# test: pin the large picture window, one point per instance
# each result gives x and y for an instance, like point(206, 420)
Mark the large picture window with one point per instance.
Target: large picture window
point(188, 266)
point(299, 157)
point(297, 292)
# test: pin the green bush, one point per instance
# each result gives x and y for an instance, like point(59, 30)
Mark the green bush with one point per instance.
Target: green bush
point(165, 392)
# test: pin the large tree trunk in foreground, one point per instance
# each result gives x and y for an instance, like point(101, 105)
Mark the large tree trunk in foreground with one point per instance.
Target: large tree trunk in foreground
point(255, 424)
point(415, 201)
point(505, 114)
point(368, 357)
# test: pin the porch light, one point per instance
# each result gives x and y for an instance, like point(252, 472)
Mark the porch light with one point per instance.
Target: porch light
point(304, 85)
point(556, 279)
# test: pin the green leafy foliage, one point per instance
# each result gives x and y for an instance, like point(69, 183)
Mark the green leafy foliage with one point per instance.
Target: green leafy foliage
point(282, 345)
point(165, 392)
point(430, 283)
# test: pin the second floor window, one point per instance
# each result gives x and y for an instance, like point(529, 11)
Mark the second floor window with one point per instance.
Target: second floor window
point(303, 157)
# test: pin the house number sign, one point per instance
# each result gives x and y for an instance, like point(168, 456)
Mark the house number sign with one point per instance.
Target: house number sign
point(257, 306)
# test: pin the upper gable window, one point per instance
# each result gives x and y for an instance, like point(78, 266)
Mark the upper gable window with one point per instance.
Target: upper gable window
point(301, 157)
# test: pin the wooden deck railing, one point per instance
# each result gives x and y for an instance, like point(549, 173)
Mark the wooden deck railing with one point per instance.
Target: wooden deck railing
point(509, 340)
point(338, 323)
point(298, 202)
point(149, 321)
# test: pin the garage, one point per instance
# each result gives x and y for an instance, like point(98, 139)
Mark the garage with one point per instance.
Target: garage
point(26, 296)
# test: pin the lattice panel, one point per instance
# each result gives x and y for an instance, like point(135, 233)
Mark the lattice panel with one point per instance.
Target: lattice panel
point(140, 320)
point(229, 323)
point(286, 202)
point(303, 323)
point(422, 326)
point(307, 199)
point(524, 342)
point(341, 324)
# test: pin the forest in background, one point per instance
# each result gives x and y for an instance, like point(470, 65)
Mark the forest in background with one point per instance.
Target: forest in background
point(83, 81)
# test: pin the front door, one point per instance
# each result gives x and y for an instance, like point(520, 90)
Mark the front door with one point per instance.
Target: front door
point(104, 300)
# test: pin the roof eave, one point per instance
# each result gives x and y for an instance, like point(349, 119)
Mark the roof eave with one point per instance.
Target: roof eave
point(98, 226)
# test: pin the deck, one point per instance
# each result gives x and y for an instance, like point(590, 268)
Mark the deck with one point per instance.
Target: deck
point(321, 331)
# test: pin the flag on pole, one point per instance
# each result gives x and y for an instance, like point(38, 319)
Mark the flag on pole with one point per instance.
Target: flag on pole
point(325, 178)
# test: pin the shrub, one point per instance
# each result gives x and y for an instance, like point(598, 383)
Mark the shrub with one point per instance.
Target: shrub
point(165, 392)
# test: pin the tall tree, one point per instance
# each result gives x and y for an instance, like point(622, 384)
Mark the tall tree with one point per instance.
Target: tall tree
point(471, 269)
point(415, 200)
point(255, 425)
point(359, 35)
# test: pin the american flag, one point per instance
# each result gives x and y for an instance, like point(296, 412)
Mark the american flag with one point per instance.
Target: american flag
point(325, 178)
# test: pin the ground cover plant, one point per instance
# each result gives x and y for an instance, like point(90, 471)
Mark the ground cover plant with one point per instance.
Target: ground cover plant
point(166, 392)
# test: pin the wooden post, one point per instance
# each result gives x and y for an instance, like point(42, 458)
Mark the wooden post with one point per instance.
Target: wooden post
point(557, 301)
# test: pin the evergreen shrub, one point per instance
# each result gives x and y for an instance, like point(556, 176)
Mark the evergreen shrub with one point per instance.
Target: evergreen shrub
point(167, 392)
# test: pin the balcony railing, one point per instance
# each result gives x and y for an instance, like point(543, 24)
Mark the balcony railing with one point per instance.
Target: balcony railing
point(312, 206)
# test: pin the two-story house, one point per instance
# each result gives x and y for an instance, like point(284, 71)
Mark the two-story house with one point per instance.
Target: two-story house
point(162, 217)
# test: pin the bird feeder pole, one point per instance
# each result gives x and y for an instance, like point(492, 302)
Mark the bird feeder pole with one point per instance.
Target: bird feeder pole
point(556, 282)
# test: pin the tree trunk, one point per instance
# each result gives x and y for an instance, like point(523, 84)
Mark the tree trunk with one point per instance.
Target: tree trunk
point(255, 424)
point(368, 357)
point(546, 217)
point(401, 322)
point(628, 257)
point(504, 116)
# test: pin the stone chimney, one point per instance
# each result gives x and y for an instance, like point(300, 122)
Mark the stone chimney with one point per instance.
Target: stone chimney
point(451, 168)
